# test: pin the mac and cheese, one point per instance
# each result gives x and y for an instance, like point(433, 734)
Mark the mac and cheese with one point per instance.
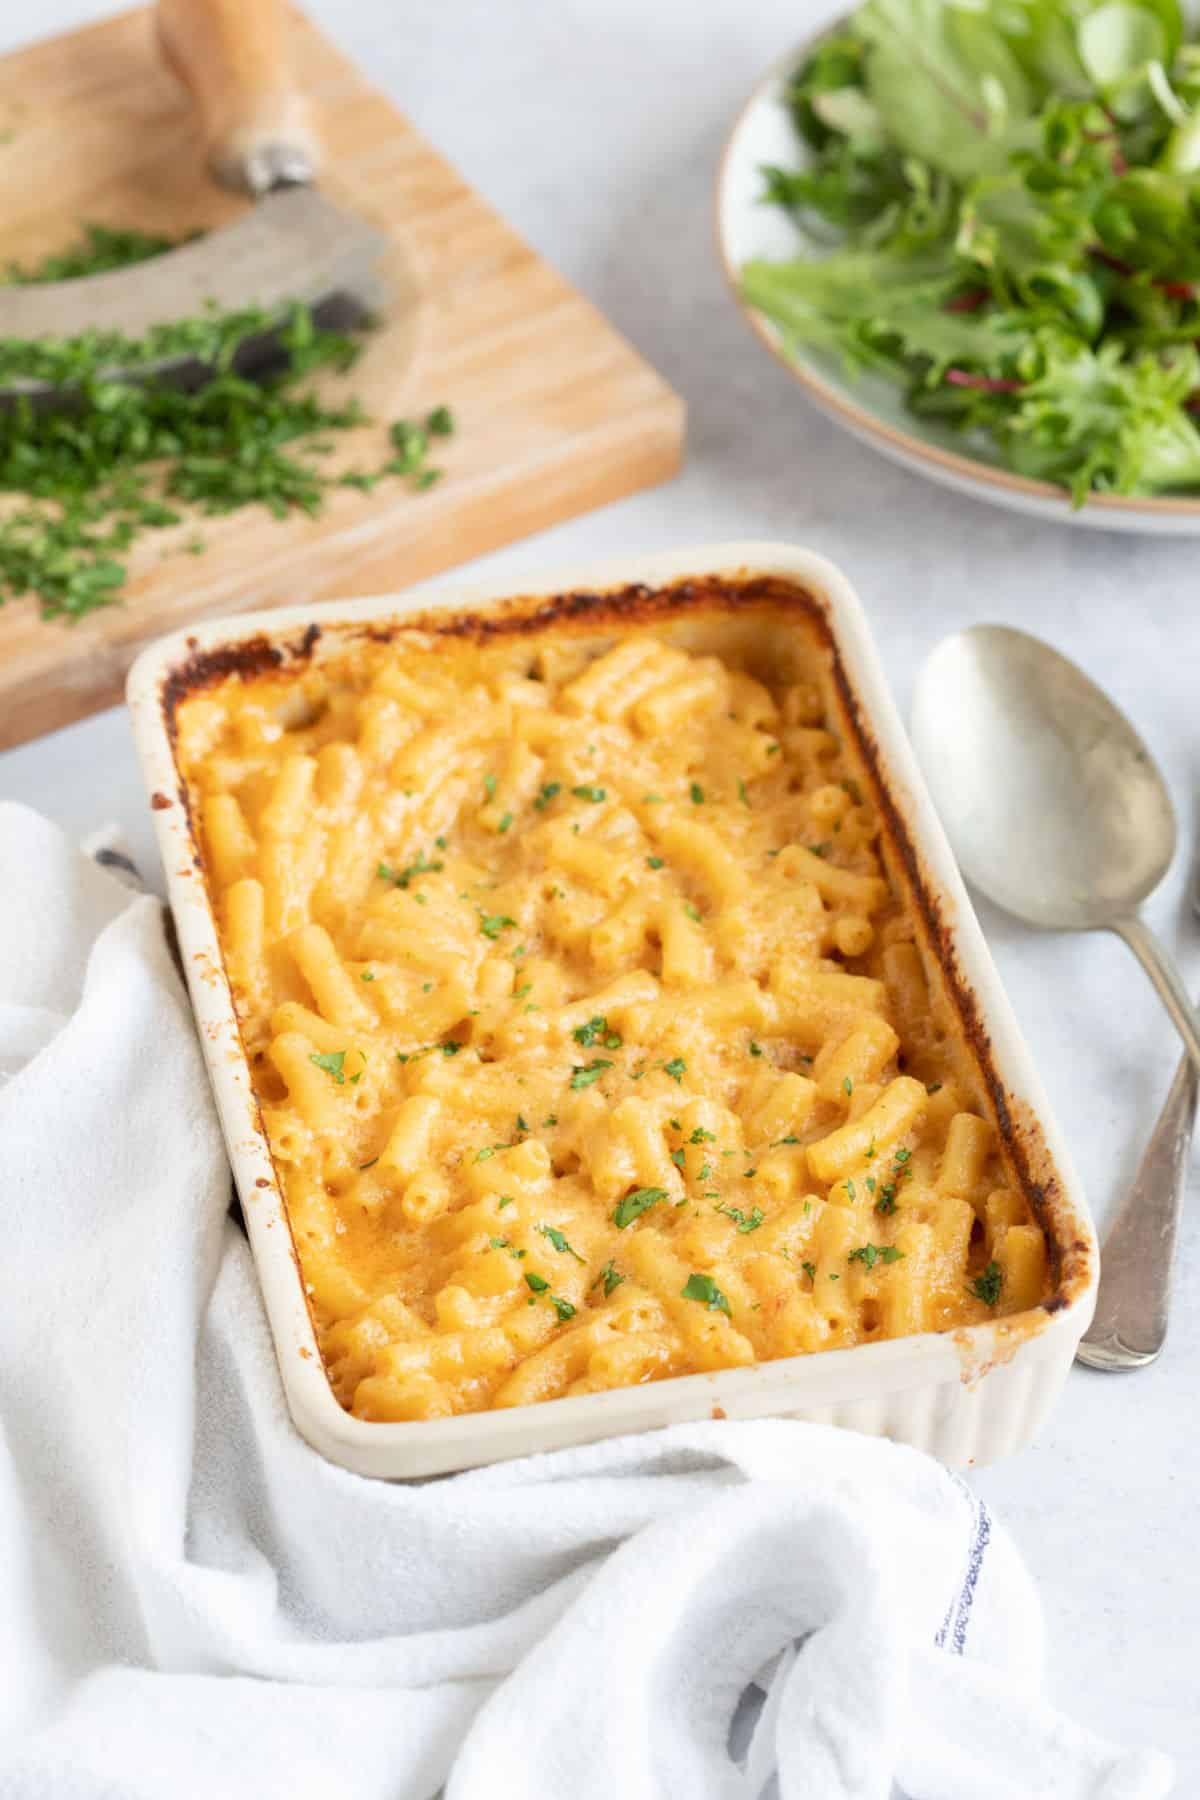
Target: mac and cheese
point(594, 1043)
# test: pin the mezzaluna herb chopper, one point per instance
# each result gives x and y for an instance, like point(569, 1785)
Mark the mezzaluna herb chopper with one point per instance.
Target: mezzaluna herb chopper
point(293, 246)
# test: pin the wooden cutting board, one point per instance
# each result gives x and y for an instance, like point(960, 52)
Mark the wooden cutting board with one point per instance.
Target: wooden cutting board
point(555, 412)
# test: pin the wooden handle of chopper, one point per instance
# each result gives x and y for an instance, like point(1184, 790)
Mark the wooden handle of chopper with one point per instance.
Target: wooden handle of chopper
point(232, 55)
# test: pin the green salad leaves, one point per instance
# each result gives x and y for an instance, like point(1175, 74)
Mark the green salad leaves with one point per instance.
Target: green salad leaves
point(1010, 193)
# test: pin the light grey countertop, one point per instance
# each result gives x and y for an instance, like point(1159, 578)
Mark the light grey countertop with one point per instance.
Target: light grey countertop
point(596, 129)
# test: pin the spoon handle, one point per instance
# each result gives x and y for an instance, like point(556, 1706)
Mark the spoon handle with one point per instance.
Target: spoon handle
point(1166, 978)
point(1135, 1265)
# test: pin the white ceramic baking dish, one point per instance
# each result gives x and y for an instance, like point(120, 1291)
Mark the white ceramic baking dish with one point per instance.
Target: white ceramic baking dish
point(967, 1396)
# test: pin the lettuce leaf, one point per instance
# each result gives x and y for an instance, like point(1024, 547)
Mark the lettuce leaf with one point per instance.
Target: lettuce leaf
point(1102, 420)
point(945, 83)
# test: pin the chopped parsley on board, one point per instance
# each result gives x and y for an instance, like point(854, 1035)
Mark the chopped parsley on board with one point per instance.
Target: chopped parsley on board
point(124, 458)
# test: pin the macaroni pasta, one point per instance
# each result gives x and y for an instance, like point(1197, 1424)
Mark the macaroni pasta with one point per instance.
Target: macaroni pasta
point(593, 1042)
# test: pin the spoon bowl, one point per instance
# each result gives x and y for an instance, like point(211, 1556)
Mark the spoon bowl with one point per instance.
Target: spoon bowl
point(1054, 806)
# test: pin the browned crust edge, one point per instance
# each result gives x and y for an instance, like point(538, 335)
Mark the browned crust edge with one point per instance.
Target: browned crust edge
point(640, 604)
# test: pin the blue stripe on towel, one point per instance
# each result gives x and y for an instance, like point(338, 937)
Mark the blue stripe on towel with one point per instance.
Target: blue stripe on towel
point(958, 1614)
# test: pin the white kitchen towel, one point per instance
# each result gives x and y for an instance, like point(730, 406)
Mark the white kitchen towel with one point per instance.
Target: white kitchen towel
point(194, 1604)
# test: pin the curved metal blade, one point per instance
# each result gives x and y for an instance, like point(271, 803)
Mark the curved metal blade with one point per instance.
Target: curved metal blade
point(292, 245)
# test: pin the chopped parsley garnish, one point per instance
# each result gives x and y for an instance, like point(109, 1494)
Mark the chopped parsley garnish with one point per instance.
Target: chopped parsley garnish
point(755, 1049)
point(934, 1087)
point(504, 824)
point(697, 793)
point(744, 1221)
point(693, 912)
point(369, 1165)
point(596, 1031)
point(986, 1287)
point(559, 1241)
point(705, 1289)
point(821, 850)
point(700, 1136)
point(870, 1254)
point(582, 1077)
point(562, 1307)
point(886, 1202)
point(505, 1200)
point(652, 799)
point(550, 1119)
point(594, 794)
point(440, 422)
point(676, 1068)
point(847, 1087)
point(449, 1048)
point(402, 877)
point(492, 924)
point(367, 975)
point(635, 1204)
point(547, 794)
point(609, 1276)
point(489, 786)
point(333, 1064)
point(654, 862)
point(810, 1269)
point(521, 1125)
point(791, 1138)
point(679, 1158)
point(743, 796)
point(537, 1282)
point(440, 842)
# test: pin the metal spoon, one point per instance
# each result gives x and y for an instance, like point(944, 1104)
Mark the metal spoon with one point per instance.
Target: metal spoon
point(1018, 745)
point(1054, 805)
point(1130, 1322)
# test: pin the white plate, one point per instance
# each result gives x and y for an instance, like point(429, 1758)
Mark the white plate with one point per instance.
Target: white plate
point(966, 1396)
point(870, 406)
